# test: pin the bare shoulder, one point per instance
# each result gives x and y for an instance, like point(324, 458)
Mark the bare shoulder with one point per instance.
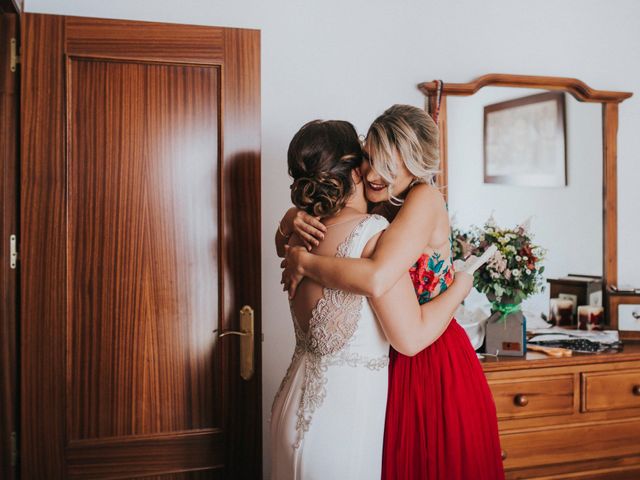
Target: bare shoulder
point(425, 196)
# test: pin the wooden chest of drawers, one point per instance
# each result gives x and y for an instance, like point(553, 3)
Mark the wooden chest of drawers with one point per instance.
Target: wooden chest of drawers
point(569, 418)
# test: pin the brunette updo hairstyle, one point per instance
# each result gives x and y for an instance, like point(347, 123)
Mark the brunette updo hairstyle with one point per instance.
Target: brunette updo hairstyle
point(321, 157)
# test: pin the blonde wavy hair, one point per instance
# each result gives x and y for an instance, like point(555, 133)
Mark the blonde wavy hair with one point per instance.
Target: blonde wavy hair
point(413, 134)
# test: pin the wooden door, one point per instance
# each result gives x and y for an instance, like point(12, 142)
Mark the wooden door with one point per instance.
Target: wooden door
point(140, 238)
point(9, 101)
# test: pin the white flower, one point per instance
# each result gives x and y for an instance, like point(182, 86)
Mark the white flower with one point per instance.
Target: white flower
point(528, 271)
point(518, 257)
point(515, 273)
point(525, 257)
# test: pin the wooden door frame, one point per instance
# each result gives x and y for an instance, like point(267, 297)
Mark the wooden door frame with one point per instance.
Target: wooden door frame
point(10, 6)
point(9, 181)
point(437, 92)
point(44, 234)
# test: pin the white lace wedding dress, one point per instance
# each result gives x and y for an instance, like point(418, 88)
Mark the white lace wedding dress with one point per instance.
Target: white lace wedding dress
point(328, 416)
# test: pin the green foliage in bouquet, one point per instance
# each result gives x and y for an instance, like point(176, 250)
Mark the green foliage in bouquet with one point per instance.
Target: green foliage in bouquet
point(515, 271)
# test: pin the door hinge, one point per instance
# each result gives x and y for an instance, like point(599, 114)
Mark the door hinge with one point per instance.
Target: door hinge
point(14, 449)
point(15, 58)
point(13, 252)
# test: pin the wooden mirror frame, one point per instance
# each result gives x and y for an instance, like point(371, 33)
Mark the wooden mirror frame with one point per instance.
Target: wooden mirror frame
point(436, 104)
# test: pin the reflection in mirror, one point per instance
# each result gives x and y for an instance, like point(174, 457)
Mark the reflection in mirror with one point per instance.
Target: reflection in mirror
point(566, 219)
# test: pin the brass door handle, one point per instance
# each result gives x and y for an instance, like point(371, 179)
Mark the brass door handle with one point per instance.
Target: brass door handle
point(246, 335)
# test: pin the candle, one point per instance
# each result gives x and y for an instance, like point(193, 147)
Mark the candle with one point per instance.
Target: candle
point(561, 311)
point(590, 317)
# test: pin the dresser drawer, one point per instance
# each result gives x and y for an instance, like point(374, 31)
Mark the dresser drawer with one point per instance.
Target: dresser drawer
point(533, 397)
point(567, 444)
point(610, 390)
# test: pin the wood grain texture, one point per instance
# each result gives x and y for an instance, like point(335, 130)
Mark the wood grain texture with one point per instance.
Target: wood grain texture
point(610, 390)
point(10, 6)
point(143, 232)
point(119, 458)
point(630, 472)
point(615, 468)
point(562, 438)
point(9, 327)
point(580, 90)
point(193, 475)
point(566, 444)
point(144, 228)
point(148, 41)
point(43, 236)
point(610, 202)
point(240, 198)
point(630, 352)
point(544, 396)
point(442, 179)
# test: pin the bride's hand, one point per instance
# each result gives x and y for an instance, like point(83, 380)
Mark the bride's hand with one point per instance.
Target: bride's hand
point(292, 274)
point(308, 228)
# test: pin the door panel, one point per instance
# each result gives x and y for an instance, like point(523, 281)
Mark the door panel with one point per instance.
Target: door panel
point(140, 203)
point(197, 475)
point(143, 231)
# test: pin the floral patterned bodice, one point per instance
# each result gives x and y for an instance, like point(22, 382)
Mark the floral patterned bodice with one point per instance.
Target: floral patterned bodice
point(431, 275)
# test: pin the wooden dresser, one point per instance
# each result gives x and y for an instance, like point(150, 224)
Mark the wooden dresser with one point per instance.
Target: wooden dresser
point(569, 418)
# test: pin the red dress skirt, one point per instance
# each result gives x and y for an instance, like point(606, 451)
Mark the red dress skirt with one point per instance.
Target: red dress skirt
point(441, 418)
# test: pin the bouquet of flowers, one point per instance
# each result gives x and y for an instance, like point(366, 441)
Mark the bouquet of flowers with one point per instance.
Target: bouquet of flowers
point(515, 271)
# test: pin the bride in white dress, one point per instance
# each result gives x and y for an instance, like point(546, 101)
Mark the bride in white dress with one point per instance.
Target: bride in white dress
point(328, 416)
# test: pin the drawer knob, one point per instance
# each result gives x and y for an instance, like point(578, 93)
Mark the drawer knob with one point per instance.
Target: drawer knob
point(504, 455)
point(521, 400)
point(636, 390)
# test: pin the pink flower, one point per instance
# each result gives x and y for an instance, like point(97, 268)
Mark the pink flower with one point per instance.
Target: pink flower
point(498, 262)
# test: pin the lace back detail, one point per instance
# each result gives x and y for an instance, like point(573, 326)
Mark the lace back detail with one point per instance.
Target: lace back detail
point(334, 319)
point(332, 326)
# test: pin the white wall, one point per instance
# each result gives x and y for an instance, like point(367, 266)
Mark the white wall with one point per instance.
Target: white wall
point(350, 59)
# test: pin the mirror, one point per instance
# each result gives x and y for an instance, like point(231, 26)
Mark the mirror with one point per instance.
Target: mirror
point(518, 154)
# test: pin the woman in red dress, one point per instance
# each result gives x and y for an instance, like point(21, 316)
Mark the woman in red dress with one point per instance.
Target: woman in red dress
point(441, 419)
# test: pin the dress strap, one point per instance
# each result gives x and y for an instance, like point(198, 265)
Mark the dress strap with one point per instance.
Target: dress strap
point(363, 232)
